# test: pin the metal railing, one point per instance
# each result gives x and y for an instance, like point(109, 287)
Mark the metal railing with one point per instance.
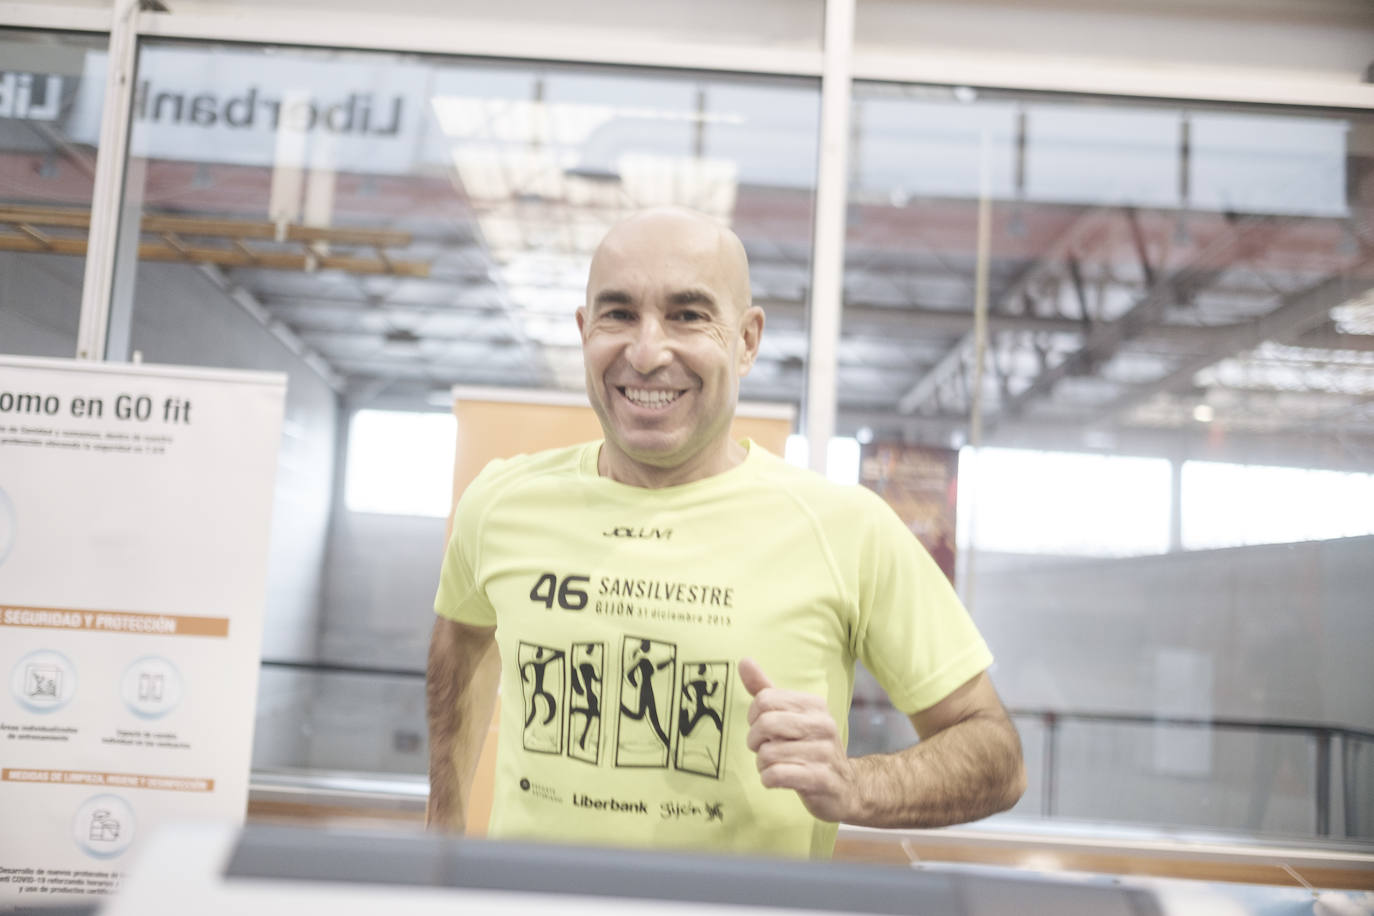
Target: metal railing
point(1325, 736)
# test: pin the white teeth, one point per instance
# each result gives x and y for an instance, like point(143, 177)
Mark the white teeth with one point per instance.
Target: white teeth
point(647, 397)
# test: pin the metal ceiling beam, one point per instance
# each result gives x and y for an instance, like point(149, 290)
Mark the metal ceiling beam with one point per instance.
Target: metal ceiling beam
point(958, 356)
point(926, 387)
point(1104, 339)
point(1334, 340)
point(175, 250)
point(1296, 313)
point(218, 228)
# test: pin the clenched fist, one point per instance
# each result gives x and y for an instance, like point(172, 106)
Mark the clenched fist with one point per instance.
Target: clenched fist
point(797, 746)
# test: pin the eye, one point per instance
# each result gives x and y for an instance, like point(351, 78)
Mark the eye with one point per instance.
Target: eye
point(691, 315)
point(618, 314)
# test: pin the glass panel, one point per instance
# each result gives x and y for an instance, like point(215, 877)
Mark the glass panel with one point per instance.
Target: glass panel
point(1179, 357)
point(384, 227)
point(52, 87)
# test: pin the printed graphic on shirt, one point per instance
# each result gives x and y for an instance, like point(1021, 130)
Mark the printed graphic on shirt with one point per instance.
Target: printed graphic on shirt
point(647, 669)
point(542, 680)
point(588, 673)
point(701, 717)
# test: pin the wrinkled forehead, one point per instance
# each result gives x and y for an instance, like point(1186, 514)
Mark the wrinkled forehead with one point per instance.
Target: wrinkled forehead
point(670, 252)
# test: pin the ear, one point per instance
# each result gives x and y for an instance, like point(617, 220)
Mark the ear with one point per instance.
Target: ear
point(751, 332)
point(582, 321)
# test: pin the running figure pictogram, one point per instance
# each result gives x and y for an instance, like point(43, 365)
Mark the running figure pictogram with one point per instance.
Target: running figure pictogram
point(586, 683)
point(536, 668)
point(641, 675)
point(697, 692)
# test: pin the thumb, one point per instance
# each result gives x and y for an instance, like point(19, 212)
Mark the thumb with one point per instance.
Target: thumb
point(753, 677)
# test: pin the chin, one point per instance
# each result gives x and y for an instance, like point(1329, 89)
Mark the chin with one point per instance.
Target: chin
point(656, 453)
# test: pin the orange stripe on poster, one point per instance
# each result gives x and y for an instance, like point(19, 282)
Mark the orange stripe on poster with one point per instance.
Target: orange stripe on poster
point(112, 780)
point(55, 618)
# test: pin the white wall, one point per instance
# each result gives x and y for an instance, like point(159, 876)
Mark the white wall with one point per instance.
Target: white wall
point(382, 573)
point(1314, 37)
point(588, 24)
point(1274, 622)
point(1277, 632)
point(381, 576)
point(1252, 50)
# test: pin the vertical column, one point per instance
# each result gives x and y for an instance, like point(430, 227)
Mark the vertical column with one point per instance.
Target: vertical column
point(120, 315)
point(98, 284)
point(827, 254)
point(1176, 502)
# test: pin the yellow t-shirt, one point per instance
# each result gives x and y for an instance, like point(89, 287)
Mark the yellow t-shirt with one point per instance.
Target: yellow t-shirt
point(621, 615)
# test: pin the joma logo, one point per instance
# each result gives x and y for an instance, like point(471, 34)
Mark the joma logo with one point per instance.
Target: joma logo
point(647, 534)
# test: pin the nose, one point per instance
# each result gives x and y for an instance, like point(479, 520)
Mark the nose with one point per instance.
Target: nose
point(649, 350)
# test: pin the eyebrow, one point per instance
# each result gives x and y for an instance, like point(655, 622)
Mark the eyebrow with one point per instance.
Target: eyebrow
point(692, 296)
point(612, 297)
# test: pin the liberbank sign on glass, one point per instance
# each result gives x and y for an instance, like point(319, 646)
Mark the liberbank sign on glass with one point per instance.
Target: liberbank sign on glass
point(236, 109)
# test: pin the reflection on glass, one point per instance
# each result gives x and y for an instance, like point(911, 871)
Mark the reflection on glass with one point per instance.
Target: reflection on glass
point(1178, 358)
point(50, 100)
point(415, 223)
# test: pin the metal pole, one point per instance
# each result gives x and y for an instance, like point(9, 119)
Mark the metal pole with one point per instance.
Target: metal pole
point(98, 283)
point(1048, 802)
point(980, 347)
point(1351, 820)
point(827, 256)
point(1323, 782)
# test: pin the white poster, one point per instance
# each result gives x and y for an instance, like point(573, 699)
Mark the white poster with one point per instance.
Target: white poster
point(134, 511)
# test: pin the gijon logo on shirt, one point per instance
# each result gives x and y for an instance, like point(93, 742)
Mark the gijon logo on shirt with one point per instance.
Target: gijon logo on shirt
point(643, 534)
point(677, 810)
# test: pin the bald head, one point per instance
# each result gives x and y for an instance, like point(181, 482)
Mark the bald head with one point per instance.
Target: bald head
point(654, 238)
point(668, 331)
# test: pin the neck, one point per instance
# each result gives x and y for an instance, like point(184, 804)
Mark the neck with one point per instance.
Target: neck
point(622, 468)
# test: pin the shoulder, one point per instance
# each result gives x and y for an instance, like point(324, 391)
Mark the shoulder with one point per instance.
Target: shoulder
point(505, 475)
point(819, 495)
point(566, 460)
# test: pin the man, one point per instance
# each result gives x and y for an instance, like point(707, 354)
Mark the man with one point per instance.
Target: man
point(678, 613)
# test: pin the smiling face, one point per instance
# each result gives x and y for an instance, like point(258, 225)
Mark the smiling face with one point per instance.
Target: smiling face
point(667, 333)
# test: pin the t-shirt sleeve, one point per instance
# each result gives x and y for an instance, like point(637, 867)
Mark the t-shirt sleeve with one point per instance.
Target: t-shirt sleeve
point(460, 597)
point(914, 634)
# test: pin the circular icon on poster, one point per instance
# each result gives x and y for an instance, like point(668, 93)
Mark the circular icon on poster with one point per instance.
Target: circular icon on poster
point(104, 826)
point(43, 681)
point(151, 687)
point(7, 525)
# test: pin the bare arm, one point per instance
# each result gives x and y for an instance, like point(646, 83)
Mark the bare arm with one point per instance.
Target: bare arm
point(966, 766)
point(460, 692)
